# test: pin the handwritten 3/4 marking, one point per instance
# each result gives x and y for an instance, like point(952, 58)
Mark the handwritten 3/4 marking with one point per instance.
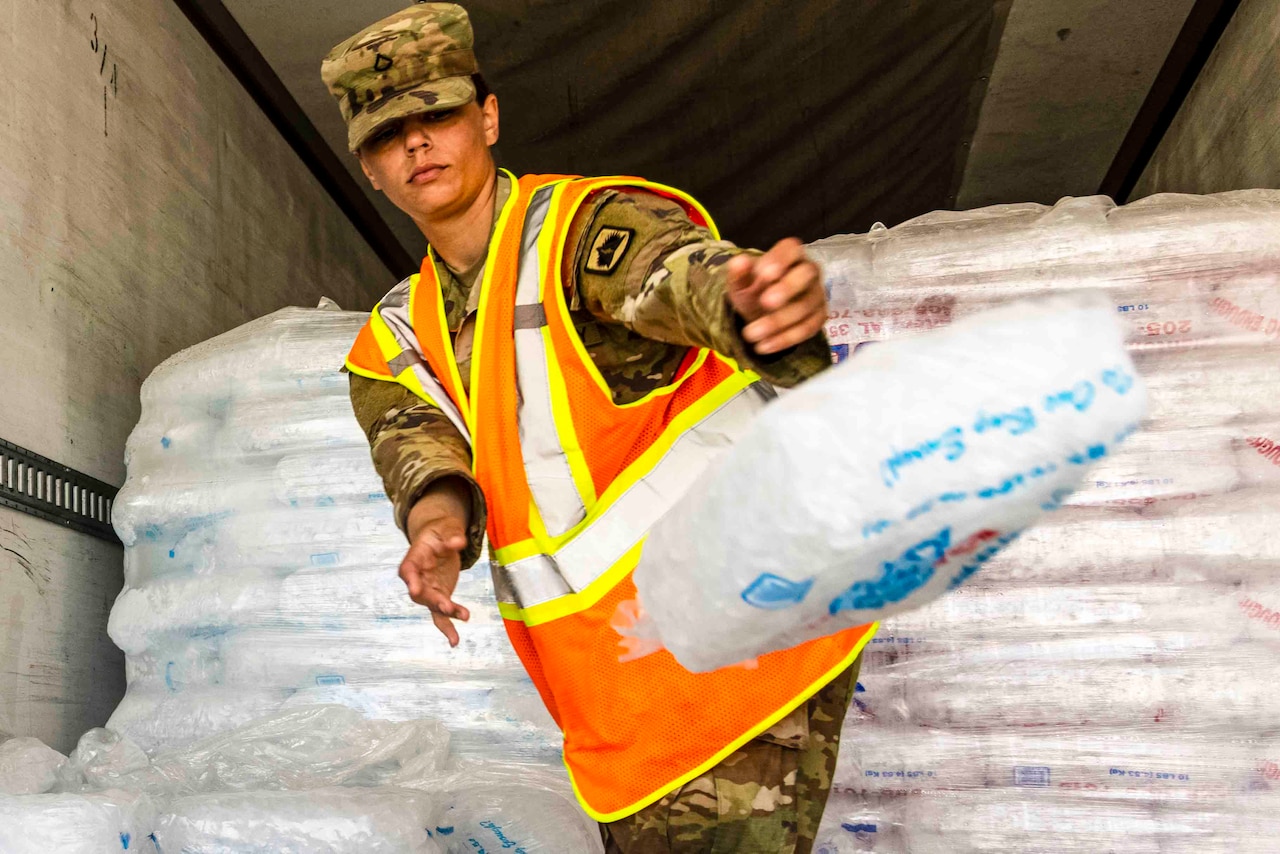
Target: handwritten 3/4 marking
point(110, 88)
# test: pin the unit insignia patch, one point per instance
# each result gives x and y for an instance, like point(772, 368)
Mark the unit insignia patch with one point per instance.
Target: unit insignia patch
point(607, 250)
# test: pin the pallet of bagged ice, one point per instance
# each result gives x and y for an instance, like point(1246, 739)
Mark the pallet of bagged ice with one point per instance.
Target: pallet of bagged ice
point(1109, 681)
point(262, 609)
point(261, 557)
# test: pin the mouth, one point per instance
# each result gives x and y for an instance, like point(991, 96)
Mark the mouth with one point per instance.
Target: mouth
point(426, 173)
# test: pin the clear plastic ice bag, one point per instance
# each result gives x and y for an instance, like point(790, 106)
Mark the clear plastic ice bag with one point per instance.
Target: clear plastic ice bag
point(889, 480)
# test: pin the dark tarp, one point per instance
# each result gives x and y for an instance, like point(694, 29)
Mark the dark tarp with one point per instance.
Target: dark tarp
point(809, 118)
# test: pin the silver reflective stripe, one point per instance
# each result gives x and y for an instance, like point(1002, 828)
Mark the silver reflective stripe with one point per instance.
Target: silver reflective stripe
point(530, 317)
point(394, 311)
point(631, 516)
point(502, 589)
point(406, 360)
point(546, 467)
point(535, 580)
point(398, 297)
point(528, 582)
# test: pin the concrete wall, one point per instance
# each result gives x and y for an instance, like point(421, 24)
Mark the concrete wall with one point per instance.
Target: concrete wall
point(1227, 134)
point(146, 204)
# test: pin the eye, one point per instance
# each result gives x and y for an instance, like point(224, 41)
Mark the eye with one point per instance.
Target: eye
point(385, 134)
point(439, 116)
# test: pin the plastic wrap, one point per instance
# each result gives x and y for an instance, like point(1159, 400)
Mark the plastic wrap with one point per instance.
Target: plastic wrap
point(101, 823)
point(513, 817)
point(1039, 821)
point(308, 748)
point(888, 481)
point(487, 806)
point(319, 821)
point(1108, 682)
point(307, 780)
point(28, 766)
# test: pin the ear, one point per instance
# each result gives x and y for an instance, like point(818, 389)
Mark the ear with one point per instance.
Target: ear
point(490, 118)
point(368, 173)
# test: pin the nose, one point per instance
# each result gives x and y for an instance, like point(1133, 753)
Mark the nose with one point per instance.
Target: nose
point(416, 135)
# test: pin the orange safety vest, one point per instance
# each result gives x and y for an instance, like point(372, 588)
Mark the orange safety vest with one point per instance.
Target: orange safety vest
point(574, 482)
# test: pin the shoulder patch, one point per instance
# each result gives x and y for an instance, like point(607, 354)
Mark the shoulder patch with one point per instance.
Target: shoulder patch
point(610, 245)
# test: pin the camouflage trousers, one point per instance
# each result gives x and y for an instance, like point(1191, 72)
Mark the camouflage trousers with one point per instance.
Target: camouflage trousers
point(765, 798)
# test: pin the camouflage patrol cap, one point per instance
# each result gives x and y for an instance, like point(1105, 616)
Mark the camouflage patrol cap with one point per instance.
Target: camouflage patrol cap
point(418, 60)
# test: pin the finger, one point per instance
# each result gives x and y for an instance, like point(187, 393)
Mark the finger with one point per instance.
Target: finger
point(791, 336)
point(803, 318)
point(443, 611)
point(740, 272)
point(411, 577)
point(441, 601)
point(800, 280)
point(775, 263)
point(807, 305)
point(445, 625)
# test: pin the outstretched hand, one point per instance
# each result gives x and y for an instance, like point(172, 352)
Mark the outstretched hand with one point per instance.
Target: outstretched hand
point(779, 294)
point(437, 536)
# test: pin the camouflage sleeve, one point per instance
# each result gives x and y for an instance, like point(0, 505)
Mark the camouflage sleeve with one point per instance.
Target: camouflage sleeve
point(414, 445)
point(640, 261)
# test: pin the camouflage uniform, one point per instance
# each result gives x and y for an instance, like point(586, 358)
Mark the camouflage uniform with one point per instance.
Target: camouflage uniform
point(638, 306)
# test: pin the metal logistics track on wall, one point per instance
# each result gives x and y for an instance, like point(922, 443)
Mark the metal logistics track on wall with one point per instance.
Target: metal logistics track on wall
point(51, 491)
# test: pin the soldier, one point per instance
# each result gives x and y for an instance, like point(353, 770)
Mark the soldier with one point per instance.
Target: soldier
point(561, 364)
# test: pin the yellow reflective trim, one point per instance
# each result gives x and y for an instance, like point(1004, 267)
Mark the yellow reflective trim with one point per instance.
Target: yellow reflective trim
point(621, 181)
point(390, 348)
point(486, 285)
point(769, 721)
point(650, 457)
point(556, 256)
point(572, 603)
point(537, 528)
point(410, 380)
point(547, 250)
point(356, 369)
point(549, 258)
point(697, 205)
point(442, 321)
point(540, 543)
point(382, 334)
point(508, 555)
point(643, 464)
point(407, 378)
point(566, 432)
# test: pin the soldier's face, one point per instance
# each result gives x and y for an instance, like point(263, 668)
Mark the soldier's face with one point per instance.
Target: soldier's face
point(434, 165)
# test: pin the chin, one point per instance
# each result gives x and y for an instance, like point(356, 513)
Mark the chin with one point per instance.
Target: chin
point(434, 197)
